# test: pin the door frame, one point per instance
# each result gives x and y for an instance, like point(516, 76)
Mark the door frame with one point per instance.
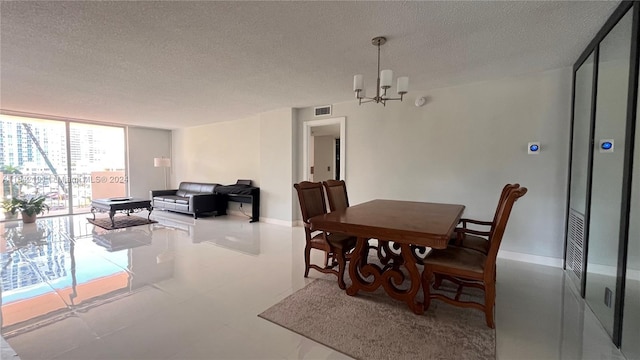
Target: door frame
point(307, 126)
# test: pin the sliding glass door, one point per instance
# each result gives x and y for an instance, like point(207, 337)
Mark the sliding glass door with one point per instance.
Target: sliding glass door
point(67, 162)
point(631, 323)
point(580, 160)
point(607, 172)
point(97, 164)
point(605, 168)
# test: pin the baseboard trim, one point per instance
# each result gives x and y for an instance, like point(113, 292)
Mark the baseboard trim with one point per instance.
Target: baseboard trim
point(267, 220)
point(278, 222)
point(534, 259)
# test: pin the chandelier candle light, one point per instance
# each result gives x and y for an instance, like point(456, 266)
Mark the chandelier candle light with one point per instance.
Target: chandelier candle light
point(385, 78)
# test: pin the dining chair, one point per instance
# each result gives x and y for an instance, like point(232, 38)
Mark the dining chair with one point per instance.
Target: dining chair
point(469, 268)
point(336, 194)
point(335, 246)
point(339, 200)
point(476, 239)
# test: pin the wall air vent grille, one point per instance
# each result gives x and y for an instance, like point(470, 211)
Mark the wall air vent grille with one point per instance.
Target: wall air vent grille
point(575, 246)
point(322, 110)
point(576, 228)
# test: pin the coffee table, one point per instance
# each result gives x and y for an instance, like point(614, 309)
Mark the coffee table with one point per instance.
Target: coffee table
point(127, 205)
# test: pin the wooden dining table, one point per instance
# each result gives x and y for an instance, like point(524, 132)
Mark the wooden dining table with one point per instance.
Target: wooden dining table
point(410, 225)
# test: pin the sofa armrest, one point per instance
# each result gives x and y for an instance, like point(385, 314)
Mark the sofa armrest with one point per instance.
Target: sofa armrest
point(202, 202)
point(154, 193)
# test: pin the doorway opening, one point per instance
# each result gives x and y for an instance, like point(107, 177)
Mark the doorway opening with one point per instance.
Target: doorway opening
point(324, 149)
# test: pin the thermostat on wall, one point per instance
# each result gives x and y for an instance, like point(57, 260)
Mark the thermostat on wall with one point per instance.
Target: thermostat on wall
point(606, 146)
point(533, 148)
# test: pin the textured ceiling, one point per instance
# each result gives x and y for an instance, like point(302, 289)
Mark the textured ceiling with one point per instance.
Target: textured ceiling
point(176, 64)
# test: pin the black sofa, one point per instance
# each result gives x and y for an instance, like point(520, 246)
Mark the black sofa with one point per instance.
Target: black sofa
point(190, 198)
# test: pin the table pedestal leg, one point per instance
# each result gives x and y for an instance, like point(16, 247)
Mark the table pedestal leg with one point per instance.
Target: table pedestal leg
point(389, 277)
point(111, 214)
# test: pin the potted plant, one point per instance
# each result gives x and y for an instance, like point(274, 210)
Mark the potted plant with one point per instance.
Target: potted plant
point(10, 207)
point(32, 206)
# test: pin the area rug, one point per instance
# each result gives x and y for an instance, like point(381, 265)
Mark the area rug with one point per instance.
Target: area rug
point(120, 222)
point(374, 326)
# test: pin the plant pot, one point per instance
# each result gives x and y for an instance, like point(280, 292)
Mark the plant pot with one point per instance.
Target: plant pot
point(27, 219)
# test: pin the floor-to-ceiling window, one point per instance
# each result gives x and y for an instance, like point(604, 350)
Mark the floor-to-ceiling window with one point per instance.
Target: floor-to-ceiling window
point(67, 162)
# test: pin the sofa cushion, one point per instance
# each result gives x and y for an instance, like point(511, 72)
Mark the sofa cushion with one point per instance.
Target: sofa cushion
point(181, 193)
point(192, 187)
point(182, 207)
point(165, 198)
point(175, 199)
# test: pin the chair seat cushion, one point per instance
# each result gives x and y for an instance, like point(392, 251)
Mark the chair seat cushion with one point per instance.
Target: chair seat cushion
point(458, 258)
point(473, 242)
point(338, 241)
point(341, 241)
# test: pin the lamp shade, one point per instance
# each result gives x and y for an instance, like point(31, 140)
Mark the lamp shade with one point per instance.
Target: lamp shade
point(403, 85)
point(358, 82)
point(161, 162)
point(386, 77)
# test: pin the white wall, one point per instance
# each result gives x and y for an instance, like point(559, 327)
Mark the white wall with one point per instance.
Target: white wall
point(259, 148)
point(276, 165)
point(143, 146)
point(463, 146)
point(218, 153)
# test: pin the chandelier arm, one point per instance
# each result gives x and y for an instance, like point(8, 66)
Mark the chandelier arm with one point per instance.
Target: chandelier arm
point(364, 97)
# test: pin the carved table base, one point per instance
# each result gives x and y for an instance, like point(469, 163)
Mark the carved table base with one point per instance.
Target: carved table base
point(390, 276)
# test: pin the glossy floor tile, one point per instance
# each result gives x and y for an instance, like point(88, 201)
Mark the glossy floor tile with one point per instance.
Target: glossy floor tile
point(192, 289)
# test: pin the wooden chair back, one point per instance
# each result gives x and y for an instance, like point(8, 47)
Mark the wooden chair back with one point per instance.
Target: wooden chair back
point(335, 246)
point(500, 224)
point(503, 197)
point(311, 198)
point(337, 194)
point(480, 239)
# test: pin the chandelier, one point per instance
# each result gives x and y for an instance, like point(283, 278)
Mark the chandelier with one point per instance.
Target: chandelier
point(385, 78)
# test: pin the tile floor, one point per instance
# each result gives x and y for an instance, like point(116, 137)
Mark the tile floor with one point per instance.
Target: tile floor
point(191, 289)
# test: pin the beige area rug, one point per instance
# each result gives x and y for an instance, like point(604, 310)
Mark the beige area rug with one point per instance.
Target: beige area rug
point(375, 326)
point(120, 222)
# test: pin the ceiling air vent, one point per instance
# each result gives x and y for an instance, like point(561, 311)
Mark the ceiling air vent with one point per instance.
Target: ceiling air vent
point(322, 110)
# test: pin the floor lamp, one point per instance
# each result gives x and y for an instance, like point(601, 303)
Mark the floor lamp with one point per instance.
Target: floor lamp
point(165, 163)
